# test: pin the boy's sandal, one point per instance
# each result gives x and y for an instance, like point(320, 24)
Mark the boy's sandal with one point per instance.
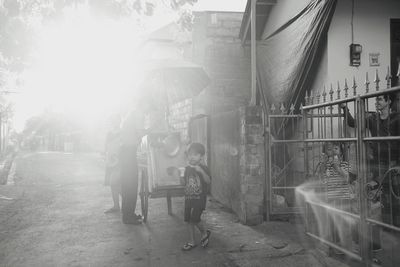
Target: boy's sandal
point(204, 241)
point(188, 246)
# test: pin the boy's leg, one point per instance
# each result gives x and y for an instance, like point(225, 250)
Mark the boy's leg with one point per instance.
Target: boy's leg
point(191, 233)
point(205, 234)
point(188, 219)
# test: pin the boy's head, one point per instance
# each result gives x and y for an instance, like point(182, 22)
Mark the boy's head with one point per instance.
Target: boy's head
point(195, 153)
point(333, 148)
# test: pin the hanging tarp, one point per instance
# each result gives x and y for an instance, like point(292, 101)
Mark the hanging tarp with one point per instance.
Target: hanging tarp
point(285, 59)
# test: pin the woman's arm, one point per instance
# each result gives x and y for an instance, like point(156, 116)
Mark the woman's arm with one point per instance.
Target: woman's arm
point(347, 116)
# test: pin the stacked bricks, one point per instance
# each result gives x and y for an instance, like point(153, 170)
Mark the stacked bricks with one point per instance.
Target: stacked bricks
point(218, 48)
point(252, 171)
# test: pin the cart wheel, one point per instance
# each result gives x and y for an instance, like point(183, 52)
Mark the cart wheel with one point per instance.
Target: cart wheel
point(144, 195)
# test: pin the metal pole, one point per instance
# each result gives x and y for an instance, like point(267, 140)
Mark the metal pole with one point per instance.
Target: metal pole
point(306, 171)
point(362, 174)
point(268, 156)
point(253, 40)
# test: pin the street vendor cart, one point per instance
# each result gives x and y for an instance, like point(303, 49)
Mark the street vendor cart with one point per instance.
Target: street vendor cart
point(161, 166)
point(162, 155)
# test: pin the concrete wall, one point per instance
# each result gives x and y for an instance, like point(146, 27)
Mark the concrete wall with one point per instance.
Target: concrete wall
point(218, 49)
point(371, 29)
point(371, 26)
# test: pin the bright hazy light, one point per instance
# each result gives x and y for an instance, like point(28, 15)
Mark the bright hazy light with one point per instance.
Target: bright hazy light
point(83, 67)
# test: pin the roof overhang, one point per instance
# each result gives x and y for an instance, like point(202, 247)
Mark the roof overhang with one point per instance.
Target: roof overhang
point(263, 8)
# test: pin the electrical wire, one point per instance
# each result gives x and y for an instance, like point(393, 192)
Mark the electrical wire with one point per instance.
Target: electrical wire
point(351, 23)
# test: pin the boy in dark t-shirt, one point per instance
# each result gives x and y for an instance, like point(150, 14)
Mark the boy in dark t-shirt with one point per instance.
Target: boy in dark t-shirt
point(196, 180)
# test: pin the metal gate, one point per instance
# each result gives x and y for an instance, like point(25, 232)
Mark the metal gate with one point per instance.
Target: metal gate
point(337, 162)
point(284, 143)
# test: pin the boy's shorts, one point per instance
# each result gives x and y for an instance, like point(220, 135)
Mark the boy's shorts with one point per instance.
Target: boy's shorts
point(193, 210)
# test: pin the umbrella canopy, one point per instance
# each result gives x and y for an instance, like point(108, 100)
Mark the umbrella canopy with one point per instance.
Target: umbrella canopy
point(175, 80)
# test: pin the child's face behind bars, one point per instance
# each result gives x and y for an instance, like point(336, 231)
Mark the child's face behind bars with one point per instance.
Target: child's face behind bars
point(332, 150)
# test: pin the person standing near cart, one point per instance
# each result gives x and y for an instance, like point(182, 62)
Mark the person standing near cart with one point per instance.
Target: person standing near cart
point(112, 172)
point(131, 134)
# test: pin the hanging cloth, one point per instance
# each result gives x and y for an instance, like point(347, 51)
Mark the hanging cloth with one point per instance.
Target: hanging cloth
point(287, 59)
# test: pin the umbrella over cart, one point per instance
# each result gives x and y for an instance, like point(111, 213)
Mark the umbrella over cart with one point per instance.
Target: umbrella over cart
point(174, 80)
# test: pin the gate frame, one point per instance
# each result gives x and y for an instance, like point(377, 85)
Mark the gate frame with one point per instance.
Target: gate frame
point(362, 139)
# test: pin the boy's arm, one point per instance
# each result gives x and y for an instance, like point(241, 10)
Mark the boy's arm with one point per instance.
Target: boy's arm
point(204, 172)
point(183, 179)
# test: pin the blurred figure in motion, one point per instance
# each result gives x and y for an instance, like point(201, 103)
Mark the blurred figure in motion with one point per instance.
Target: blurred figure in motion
point(132, 131)
point(112, 176)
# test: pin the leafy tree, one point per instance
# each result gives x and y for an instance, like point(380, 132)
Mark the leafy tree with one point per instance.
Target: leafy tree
point(18, 17)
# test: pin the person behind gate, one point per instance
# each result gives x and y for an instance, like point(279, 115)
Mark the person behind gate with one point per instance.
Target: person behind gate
point(335, 172)
point(382, 156)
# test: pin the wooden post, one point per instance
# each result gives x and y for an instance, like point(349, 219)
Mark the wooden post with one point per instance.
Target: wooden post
point(253, 40)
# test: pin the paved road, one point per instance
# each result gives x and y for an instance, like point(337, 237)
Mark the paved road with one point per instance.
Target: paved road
point(57, 219)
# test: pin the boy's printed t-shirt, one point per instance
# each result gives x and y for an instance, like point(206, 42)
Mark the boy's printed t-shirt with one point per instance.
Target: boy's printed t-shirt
point(195, 187)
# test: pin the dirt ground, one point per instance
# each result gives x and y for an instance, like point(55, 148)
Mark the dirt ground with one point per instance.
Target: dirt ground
point(53, 215)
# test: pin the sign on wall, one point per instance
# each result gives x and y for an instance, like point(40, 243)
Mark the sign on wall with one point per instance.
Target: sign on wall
point(374, 59)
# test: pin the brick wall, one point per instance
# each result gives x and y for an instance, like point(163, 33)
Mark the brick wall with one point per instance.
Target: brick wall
point(251, 165)
point(218, 49)
point(238, 178)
